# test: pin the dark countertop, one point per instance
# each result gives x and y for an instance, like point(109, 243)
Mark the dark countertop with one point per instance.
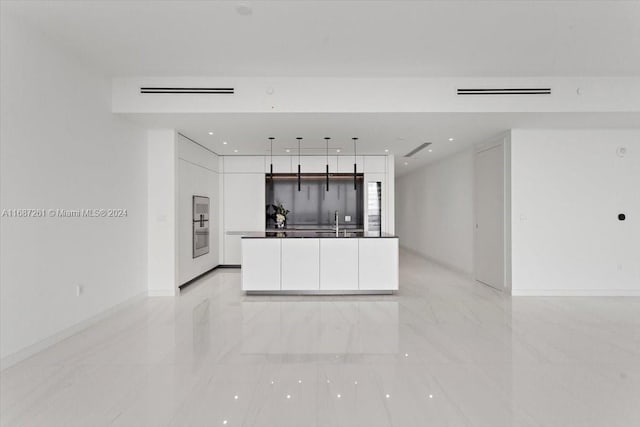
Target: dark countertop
point(304, 234)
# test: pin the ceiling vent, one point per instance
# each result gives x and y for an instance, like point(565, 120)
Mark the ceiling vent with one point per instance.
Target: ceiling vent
point(189, 90)
point(520, 91)
point(418, 148)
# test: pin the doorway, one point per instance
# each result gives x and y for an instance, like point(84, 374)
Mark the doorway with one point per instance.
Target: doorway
point(489, 239)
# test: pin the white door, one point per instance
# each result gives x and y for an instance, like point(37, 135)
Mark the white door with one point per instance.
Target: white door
point(489, 200)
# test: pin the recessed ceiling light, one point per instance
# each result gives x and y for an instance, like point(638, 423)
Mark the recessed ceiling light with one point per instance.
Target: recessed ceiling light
point(430, 150)
point(386, 150)
point(287, 150)
point(210, 133)
point(235, 151)
point(224, 142)
point(450, 139)
point(406, 163)
point(338, 150)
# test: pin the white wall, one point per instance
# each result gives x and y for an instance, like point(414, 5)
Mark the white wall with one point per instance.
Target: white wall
point(568, 187)
point(197, 175)
point(434, 211)
point(62, 148)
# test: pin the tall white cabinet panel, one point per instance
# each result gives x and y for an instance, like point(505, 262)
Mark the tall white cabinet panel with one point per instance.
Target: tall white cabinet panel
point(375, 164)
point(378, 260)
point(260, 264)
point(339, 264)
point(243, 164)
point(300, 264)
point(243, 210)
point(345, 164)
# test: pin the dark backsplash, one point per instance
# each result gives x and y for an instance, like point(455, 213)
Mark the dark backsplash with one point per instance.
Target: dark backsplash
point(313, 205)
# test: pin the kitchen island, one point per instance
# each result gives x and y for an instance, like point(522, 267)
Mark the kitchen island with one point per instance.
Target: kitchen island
point(319, 262)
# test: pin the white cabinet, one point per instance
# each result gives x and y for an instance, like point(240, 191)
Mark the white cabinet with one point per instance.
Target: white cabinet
point(243, 210)
point(300, 264)
point(326, 265)
point(378, 261)
point(315, 164)
point(281, 164)
point(345, 164)
point(232, 249)
point(261, 264)
point(339, 264)
point(243, 164)
point(375, 164)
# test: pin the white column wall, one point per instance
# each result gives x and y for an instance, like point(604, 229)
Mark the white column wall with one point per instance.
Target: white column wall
point(162, 212)
point(568, 187)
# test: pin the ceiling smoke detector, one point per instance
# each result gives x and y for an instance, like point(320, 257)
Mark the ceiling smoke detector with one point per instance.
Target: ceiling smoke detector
point(244, 10)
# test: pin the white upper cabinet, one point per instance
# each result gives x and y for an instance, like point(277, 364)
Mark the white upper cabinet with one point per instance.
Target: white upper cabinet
point(375, 164)
point(314, 164)
point(243, 164)
point(281, 164)
point(244, 196)
point(345, 164)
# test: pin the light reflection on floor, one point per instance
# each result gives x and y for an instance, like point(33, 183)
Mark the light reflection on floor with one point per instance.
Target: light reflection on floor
point(444, 351)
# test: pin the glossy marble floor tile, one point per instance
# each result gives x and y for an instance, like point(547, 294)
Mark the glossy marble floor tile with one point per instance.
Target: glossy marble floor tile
point(444, 351)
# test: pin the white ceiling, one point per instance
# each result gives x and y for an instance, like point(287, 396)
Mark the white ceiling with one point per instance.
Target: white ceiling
point(345, 38)
point(397, 132)
point(355, 39)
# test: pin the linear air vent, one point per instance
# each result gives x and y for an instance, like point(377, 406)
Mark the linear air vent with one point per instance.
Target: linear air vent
point(188, 90)
point(418, 148)
point(516, 91)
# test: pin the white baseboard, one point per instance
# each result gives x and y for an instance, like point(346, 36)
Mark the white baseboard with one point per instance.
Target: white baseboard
point(575, 292)
point(30, 350)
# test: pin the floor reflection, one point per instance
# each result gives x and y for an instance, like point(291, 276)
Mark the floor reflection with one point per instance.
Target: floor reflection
point(444, 351)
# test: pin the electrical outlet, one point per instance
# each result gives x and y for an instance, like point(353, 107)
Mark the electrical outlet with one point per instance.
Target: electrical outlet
point(347, 218)
point(79, 290)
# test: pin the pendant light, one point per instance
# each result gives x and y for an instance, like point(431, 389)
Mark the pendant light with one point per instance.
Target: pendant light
point(355, 162)
point(326, 138)
point(271, 166)
point(299, 141)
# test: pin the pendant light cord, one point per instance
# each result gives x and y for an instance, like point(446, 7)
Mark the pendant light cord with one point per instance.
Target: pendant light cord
point(271, 166)
point(299, 140)
point(355, 163)
point(327, 172)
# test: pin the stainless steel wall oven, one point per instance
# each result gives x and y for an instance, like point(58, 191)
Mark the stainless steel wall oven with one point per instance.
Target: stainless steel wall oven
point(200, 226)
